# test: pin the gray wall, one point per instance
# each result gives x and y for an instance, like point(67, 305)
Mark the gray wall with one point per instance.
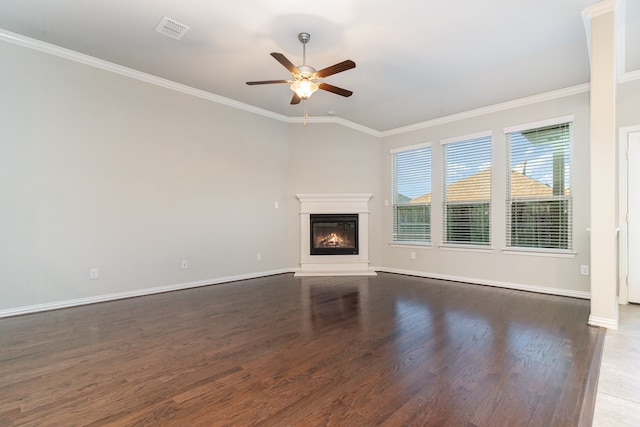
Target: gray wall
point(546, 273)
point(333, 159)
point(101, 170)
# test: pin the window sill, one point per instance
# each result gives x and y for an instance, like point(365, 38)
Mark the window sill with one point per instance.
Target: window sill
point(539, 252)
point(414, 245)
point(467, 248)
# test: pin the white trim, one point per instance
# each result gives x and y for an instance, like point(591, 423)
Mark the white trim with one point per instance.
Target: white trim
point(335, 265)
point(608, 6)
point(361, 200)
point(411, 245)
point(467, 248)
point(600, 8)
point(586, 21)
point(51, 49)
point(469, 137)
point(539, 124)
point(56, 305)
point(332, 273)
point(538, 252)
point(336, 120)
point(623, 250)
point(506, 285)
point(603, 322)
point(131, 73)
point(520, 102)
point(620, 37)
point(91, 61)
point(630, 76)
point(409, 148)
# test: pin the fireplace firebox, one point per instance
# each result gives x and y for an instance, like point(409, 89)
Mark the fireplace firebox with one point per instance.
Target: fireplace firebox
point(334, 234)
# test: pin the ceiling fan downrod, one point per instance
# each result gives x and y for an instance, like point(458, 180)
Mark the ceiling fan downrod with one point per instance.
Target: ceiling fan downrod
point(304, 39)
point(304, 77)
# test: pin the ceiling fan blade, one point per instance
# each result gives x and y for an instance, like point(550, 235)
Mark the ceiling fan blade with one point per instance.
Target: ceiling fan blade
point(267, 82)
point(337, 68)
point(284, 61)
point(334, 89)
point(295, 100)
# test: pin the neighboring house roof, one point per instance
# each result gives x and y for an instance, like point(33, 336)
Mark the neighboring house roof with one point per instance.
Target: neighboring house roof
point(478, 187)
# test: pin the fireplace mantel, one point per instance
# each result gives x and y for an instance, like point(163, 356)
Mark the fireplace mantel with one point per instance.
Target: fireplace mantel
point(334, 265)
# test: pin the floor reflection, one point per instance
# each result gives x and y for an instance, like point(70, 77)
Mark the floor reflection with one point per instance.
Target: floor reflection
point(331, 300)
point(467, 339)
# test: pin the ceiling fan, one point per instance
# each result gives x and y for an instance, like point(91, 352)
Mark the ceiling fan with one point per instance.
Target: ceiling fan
point(304, 82)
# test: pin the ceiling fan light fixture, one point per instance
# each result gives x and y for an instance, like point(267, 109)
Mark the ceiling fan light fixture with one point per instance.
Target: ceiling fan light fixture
point(304, 88)
point(303, 83)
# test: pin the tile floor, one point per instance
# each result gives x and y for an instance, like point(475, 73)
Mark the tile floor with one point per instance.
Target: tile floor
point(618, 397)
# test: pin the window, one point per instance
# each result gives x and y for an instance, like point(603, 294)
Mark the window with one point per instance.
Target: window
point(411, 196)
point(538, 187)
point(466, 192)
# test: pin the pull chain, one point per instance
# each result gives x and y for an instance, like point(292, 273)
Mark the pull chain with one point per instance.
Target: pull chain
point(306, 115)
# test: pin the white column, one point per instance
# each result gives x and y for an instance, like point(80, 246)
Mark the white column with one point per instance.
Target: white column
point(604, 304)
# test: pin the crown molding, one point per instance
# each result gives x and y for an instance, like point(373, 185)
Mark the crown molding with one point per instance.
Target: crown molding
point(609, 6)
point(51, 49)
point(600, 8)
point(91, 61)
point(336, 120)
point(630, 76)
point(534, 99)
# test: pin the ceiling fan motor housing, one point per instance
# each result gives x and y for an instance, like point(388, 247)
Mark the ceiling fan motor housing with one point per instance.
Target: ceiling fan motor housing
point(306, 72)
point(303, 84)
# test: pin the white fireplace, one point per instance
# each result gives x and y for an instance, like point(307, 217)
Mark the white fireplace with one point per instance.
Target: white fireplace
point(334, 265)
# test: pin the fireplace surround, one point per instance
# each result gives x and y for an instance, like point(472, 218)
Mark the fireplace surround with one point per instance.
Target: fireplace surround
point(349, 210)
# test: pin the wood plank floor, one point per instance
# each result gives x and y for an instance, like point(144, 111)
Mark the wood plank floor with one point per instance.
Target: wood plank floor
point(389, 350)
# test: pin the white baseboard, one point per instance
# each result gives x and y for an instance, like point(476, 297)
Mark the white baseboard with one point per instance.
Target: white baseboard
point(604, 322)
point(608, 323)
point(507, 285)
point(310, 273)
point(131, 294)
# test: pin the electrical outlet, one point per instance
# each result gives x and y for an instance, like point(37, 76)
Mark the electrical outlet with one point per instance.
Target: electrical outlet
point(276, 205)
point(413, 255)
point(584, 270)
point(184, 264)
point(93, 273)
point(259, 256)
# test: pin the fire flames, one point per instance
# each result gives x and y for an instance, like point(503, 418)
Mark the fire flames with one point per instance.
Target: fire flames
point(332, 240)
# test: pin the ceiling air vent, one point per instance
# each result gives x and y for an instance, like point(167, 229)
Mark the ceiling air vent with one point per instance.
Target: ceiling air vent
point(171, 28)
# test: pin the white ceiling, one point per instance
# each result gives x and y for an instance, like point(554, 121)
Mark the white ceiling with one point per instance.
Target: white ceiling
point(416, 59)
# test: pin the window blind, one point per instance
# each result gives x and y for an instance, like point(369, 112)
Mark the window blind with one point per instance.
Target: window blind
point(538, 188)
point(411, 195)
point(466, 207)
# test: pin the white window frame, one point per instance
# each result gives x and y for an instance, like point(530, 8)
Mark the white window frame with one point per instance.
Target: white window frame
point(465, 245)
point(542, 251)
point(395, 204)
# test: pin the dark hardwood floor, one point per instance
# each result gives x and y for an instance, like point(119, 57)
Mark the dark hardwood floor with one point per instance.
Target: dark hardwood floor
point(347, 351)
